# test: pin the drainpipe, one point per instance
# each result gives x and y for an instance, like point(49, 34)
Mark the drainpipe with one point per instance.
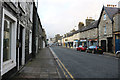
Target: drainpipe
point(1, 11)
point(98, 36)
point(112, 38)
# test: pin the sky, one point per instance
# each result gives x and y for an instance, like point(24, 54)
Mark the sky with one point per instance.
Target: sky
point(61, 16)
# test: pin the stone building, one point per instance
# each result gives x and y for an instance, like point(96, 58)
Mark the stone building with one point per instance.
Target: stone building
point(89, 34)
point(89, 21)
point(106, 28)
point(44, 39)
point(57, 37)
point(8, 19)
point(116, 32)
point(18, 35)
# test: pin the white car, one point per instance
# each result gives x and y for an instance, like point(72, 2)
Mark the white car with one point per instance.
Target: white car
point(118, 54)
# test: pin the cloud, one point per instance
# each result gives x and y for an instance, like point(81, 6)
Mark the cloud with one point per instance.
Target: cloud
point(60, 16)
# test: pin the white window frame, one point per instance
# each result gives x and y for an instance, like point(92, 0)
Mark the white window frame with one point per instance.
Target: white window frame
point(30, 42)
point(8, 65)
point(31, 12)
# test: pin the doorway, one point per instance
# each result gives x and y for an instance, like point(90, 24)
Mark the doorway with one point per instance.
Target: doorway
point(103, 44)
point(21, 49)
point(20, 45)
point(110, 45)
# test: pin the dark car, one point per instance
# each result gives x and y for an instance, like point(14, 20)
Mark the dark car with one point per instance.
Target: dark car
point(81, 48)
point(118, 54)
point(95, 49)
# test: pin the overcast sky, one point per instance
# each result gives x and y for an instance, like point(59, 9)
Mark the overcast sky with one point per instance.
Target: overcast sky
point(61, 16)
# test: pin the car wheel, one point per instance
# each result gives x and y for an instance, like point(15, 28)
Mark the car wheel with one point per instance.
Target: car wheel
point(118, 55)
point(93, 51)
point(80, 50)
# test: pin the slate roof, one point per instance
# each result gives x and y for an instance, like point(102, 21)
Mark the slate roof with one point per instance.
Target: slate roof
point(111, 11)
point(90, 26)
point(85, 28)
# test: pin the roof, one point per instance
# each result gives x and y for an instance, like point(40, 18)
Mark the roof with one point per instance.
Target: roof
point(111, 11)
point(90, 26)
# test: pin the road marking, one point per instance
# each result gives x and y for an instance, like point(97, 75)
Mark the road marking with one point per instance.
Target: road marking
point(62, 66)
point(62, 69)
point(66, 70)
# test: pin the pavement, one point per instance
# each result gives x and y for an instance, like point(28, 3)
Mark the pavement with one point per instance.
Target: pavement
point(110, 54)
point(43, 66)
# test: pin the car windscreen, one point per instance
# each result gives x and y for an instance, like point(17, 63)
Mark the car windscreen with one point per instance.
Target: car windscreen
point(80, 46)
point(92, 47)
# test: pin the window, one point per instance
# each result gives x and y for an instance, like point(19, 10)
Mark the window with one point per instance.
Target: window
point(104, 16)
point(7, 40)
point(105, 29)
point(31, 11)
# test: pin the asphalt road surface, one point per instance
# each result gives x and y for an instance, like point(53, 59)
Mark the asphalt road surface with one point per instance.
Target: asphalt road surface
point(87, 65)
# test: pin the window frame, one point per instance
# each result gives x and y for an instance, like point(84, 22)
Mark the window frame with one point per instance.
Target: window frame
point(30, 42)
point(9, 64)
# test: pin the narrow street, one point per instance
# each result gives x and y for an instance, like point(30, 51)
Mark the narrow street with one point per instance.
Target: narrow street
point(87, 65)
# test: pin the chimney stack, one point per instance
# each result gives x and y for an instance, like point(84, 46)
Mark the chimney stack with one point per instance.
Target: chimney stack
point(89, 21)
point(109, 5)
point(80, 25)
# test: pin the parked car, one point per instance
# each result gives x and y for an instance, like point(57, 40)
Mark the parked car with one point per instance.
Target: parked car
point(95, 49)
point(81, 48)
point(118, 54)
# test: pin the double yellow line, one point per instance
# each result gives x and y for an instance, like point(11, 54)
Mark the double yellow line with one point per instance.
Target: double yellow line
point(67, 74)
point(64, 69)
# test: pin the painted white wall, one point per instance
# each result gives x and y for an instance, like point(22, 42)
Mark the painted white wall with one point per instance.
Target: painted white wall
point(43, 44)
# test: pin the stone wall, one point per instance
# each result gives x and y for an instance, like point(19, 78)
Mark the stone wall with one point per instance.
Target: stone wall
point(102, 34)
point(116, 25)
point(92, 33)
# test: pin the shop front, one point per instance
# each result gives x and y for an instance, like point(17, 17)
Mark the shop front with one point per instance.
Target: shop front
point(92, 42)
point(75, 44)
point(83, 42)
point(117, 42)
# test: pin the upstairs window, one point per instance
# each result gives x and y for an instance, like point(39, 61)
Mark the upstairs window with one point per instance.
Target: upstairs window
point(31, 11)
point(105, 29)
point(104, 16)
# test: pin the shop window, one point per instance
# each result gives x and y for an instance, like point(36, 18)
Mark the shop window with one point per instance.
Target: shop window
point(7, 41)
